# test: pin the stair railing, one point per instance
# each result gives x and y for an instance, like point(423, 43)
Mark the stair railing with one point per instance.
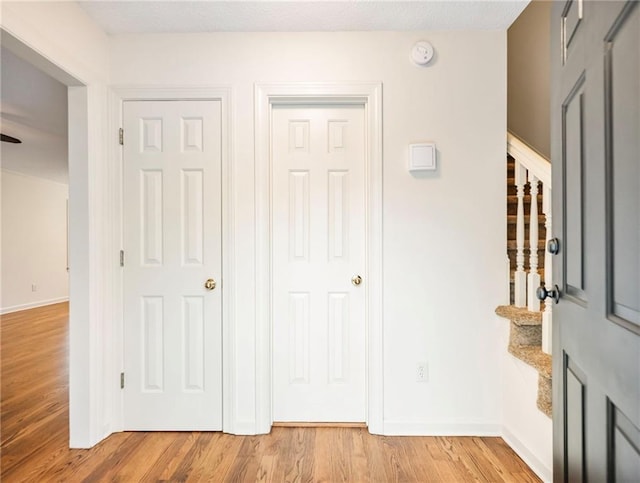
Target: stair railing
point(532, 168)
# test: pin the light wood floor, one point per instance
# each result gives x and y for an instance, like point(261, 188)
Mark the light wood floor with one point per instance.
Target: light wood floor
point(34, 436)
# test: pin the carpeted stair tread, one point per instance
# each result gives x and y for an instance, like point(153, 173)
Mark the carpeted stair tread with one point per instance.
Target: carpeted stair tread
point(534, 357)
point(519, 315)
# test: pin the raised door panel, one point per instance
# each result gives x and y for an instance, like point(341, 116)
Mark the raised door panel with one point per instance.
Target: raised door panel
point(193, 330)
point(575, 420)
point(299, 213)
point(574, 196)
point(338, 342)
point(338, 195)
point(151, 217)
point(152, 350)
point(622, 90)
point(192, 222)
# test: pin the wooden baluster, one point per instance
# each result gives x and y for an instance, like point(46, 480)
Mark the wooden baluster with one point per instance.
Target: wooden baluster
point(533, 278)
point(547, 315)
point(520, 278)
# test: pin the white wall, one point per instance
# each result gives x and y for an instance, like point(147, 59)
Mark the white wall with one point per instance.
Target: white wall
point(34, 242)
point(444, 233)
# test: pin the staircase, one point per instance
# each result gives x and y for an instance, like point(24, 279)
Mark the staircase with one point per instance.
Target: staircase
point(529, 190)
point(512, 207)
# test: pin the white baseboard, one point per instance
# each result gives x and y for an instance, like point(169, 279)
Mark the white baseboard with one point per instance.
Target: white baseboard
point(32, 305)
point(538, 467)
point(409, 428)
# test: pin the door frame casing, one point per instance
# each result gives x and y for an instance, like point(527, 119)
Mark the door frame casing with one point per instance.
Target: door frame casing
point(368, 95)
point(223, 94)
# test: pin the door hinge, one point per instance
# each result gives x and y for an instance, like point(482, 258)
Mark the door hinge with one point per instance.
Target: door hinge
point(122, 258)
point(121, 136)
point(122, 380)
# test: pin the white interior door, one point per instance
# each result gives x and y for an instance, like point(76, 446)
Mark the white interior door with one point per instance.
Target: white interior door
point(318, 246)
point(172, 243)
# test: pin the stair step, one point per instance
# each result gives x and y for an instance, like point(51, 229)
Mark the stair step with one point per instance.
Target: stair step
point(534, 357)
point(511, 234)
point(512, 245)
point(525, 337)
point(513, 272)
point(511, 189)
point(512, 201)
point(513, 253)
point(512, 229)
point(512, 219)
point(519, 315)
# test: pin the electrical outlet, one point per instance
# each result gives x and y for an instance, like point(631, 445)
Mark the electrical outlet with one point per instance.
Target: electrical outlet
point(34, 287)
point(422, 372)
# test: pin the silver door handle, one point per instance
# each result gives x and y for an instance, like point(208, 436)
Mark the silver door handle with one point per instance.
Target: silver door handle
point(553, 246)
point(542, 293)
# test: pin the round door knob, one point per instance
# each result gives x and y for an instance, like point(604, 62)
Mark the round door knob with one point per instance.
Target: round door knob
point(210, 284)
point(356, 280)
point(542, 293)
point(553, 246)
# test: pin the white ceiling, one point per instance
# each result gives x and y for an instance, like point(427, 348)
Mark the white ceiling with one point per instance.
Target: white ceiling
point(151, 16)
point(33, 108)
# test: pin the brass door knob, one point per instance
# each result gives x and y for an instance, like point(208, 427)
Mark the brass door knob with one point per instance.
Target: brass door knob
point(356, 280)
point(210, 284)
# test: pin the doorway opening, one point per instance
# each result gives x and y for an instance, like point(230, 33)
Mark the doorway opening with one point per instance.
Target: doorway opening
point(72, 218)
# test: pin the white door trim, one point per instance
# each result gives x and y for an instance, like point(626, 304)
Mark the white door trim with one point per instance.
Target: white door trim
point(370, 96)
point(225, 96)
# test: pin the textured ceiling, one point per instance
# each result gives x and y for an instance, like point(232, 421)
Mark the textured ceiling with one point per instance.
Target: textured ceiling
point(150, 16)
point(34, 110)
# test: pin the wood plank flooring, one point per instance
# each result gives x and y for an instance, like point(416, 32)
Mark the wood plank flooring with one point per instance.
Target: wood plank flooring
point(35, 436)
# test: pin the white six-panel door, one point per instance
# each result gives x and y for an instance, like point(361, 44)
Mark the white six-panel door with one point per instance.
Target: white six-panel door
point(318, 247)
point(172, 242)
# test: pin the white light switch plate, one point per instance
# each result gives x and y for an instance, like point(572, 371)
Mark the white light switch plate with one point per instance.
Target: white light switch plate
point(422, 157)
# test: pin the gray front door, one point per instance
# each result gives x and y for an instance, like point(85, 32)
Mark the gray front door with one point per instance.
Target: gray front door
point(596, 207)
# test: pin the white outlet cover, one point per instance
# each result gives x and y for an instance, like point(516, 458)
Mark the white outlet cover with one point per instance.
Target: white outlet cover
point(422, 372)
